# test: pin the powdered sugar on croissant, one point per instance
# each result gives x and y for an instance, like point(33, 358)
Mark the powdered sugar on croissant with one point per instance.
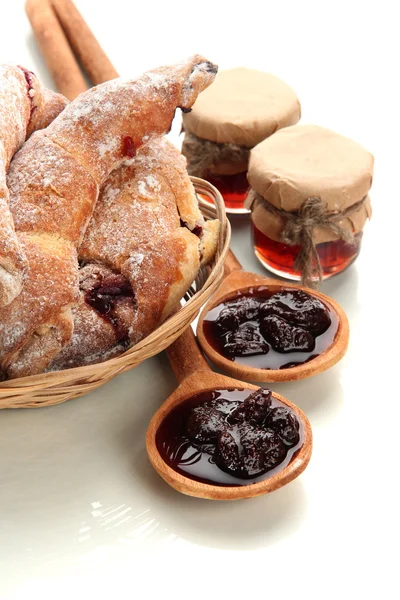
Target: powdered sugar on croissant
point(24, 107)
point(140, 256)
point(32, 328)
point(54, 179)
point(147, 225)
point(110, 122)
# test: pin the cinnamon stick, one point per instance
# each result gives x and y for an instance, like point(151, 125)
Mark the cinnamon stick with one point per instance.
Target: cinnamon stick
point(55, 48)
point(83, 42)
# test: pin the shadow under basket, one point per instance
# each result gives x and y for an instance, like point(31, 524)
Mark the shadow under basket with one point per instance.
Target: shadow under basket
point(56, 387)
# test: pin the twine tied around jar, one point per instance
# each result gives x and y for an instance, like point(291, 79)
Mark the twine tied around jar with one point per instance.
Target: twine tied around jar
point(298, 231)
point(203, 155)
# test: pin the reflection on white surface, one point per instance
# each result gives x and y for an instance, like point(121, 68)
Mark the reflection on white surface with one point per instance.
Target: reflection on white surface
point(241, 525)
point(78, 491)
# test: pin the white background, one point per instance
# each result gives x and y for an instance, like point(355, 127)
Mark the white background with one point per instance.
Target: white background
point(82, 513)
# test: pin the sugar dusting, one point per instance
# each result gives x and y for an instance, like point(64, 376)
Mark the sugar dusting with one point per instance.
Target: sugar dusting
point(51, 281)
point(89, 131)
point(135, 229)
point(15, 110)
point(96, 122)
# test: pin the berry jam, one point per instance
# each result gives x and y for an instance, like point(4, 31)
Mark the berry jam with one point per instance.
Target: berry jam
point(129, 147)
point(279, 258)
point(233, 189)
point(271, 330)
point(104, 297)
point(230, 437)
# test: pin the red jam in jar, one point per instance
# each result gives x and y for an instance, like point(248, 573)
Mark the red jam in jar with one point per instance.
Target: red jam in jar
point(233, 189)
point(279, 258)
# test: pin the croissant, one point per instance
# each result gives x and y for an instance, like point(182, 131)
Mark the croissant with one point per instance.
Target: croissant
point(141, 251)
point(54, 182)
point(25, 106)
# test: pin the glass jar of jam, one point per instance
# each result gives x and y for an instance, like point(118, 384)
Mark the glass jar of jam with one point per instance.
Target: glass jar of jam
point(241, 108)
point(309, 202)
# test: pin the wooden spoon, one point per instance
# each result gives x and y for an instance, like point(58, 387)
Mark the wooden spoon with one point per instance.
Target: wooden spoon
point(241, 281)
point(194, 376)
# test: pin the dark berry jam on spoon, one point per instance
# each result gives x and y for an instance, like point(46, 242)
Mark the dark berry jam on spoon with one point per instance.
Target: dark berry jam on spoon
point(257, 328)
point(229, 437)
point(219, 438)
point(266, 329)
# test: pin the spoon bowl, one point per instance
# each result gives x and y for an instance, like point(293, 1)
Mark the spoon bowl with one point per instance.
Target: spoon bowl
point(195, 376)
point(239, 282)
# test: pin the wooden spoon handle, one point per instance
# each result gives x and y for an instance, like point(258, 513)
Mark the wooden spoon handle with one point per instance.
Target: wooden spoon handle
point(231, 263)
point(185, 356)
point(84, 44)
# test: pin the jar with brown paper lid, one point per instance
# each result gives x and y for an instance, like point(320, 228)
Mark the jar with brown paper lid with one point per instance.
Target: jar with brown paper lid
point(239, 110)
point(309, 202)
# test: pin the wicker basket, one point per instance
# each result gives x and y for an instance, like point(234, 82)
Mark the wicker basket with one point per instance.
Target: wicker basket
point(56, 387)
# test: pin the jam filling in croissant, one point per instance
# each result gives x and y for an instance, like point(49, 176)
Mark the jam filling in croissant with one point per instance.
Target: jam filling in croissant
point(106, 295)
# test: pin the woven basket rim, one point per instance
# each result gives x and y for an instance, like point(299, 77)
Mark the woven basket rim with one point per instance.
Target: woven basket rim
point(67, 381)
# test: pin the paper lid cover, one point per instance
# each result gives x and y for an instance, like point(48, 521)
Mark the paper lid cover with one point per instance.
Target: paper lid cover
point(306, 161)
point(243, 106)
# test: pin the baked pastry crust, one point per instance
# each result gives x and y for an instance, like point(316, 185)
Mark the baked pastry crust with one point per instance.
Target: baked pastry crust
point(138, 231)
point(50, 191)
point(46, 106)
point(54, 182)
point(110, 122)
point(25, 106)
point(33, 329)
